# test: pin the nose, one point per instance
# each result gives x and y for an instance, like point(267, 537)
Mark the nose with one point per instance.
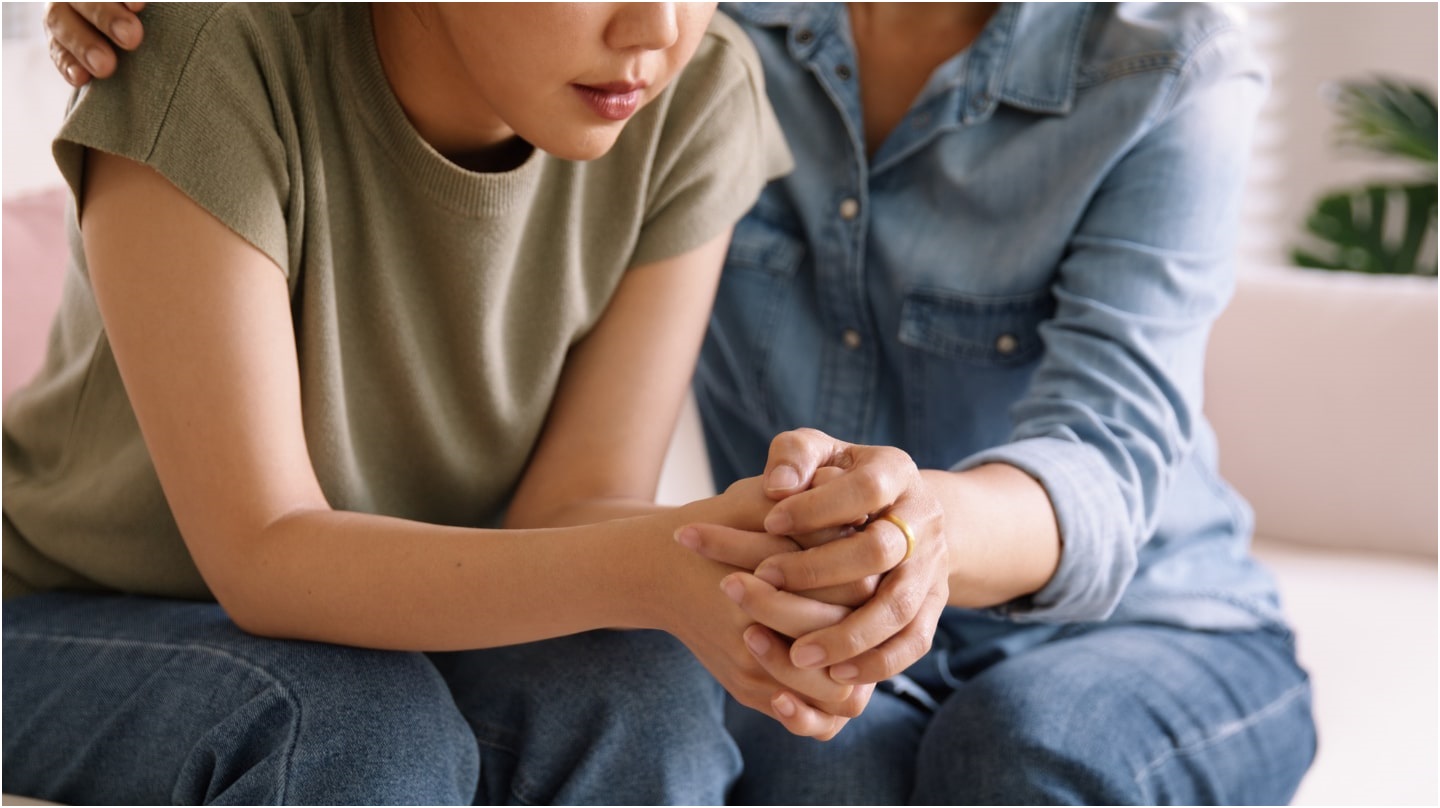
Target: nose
point(647, 26)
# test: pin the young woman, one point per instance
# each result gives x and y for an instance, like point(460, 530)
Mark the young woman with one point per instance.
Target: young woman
point(991, 277)
point(362, 299)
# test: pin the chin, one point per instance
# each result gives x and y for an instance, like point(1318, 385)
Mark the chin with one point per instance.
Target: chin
point(589, 145)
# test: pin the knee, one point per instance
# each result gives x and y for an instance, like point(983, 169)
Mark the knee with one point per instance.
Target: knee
point(995, 745)
point(647, 683)
point(327, 724)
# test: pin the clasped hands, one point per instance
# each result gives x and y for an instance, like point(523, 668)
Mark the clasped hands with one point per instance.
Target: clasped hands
point(833, 603)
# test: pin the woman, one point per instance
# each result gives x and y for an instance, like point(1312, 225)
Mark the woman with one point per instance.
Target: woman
point(1001, 250)
point(352, 289)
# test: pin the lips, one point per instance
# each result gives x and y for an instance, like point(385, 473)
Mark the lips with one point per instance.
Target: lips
point(613, 101)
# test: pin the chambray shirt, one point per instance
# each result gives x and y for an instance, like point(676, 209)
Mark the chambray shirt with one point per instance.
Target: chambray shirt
point(1026, 272)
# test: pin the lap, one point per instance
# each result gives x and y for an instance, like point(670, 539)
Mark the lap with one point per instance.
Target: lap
point(111, 698)
point(630, 717)
point(1125, 714)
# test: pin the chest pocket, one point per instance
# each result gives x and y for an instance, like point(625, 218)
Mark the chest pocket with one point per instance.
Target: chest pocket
point(1000, 331)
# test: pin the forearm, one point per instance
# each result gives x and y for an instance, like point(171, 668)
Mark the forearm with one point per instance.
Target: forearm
point(371, 581)
point(1003, 538)
point(586, 512)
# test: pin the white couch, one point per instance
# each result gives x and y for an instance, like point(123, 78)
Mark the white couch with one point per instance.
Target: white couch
point(1322, 389)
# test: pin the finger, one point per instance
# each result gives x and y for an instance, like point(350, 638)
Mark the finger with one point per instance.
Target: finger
point(820, 723)
point(872, 551)
point(878, 476)
point(815, 538)
point(896, 654)
point(773, 653)
point(794, 458)
point(803, 720)
point(114, 20)
point(852, 594)
point(737, 548)
point(75, 36)
point(75, 73)
point(789, 614)
point(896, 604)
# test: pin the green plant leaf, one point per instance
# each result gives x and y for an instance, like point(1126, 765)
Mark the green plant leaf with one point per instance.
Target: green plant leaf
point(1354, 230)
point(1388, 117)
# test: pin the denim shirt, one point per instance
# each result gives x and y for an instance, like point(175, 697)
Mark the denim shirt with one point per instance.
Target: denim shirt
point(1026, 272)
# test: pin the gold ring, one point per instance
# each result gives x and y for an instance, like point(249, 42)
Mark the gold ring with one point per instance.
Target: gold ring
point(904, 528)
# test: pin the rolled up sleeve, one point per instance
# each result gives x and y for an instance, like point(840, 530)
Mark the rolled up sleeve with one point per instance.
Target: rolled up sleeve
point(1112, 410)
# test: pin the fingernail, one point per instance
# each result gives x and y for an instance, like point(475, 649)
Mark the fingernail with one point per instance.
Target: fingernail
point(72, 74)
point(123, 32)
point(688, 537)
point(91, 58)
point(772, 576)
point(784, 706)
point(844, 672)
point(779, 523)
point(733, 589)
point(808, 656)
point(757, 642)
point(782, 478)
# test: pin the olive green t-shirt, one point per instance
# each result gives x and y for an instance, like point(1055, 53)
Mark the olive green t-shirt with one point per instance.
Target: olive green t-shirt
point(433, 306)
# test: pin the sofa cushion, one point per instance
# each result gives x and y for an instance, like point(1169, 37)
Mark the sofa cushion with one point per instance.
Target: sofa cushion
point(1322, 389)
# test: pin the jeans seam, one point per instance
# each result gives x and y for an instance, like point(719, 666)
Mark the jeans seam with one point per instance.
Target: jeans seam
point(518, 785)
point(274, 682)
point(1225, 732)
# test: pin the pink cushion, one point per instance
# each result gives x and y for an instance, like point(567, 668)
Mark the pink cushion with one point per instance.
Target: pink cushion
point(35, 255)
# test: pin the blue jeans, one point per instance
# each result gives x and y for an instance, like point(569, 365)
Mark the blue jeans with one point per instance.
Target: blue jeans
point(1124, 714)
point(115, 699)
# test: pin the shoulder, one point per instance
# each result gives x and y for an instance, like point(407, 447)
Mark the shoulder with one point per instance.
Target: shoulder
point(203, 103)
point(177, 33)
point(1124, 38)
point(193, 52)
point(724, 61)
point(718, 96)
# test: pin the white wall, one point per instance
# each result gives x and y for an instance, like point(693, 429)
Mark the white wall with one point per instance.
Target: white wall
point(34, 98)
point(1309, 46)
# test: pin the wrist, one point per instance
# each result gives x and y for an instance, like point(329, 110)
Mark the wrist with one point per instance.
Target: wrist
point(660, 577)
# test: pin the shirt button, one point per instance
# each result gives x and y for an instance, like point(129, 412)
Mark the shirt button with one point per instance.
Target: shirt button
point(849, 209)
point(804, 35)
point(1006, 344)
point(843, 71)
point(851, 338)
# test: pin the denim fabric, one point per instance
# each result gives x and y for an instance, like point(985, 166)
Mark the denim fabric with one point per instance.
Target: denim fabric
point(1026, 272)
point(1114, 714)
point(120, 700)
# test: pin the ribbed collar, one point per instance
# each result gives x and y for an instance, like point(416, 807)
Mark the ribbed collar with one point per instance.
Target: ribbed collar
point(361, 78)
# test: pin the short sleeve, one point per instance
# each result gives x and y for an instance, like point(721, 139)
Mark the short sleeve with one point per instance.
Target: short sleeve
point(719, 145)
point(197, 104)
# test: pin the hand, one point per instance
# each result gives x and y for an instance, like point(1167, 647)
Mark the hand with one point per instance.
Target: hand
point(749, 548)
point(751, 661)
point(896, 626)
point(81, 35)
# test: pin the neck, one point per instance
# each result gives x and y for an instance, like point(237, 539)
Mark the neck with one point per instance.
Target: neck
point(426, 75)
point(922, 16)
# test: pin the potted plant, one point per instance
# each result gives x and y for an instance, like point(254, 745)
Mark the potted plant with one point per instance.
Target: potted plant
point(1381, 227)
